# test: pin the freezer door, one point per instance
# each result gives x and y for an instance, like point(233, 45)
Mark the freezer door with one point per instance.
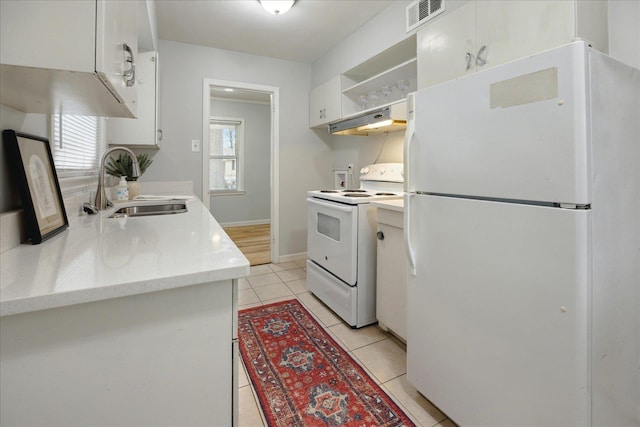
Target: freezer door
point(516, 131)
point(497, 312)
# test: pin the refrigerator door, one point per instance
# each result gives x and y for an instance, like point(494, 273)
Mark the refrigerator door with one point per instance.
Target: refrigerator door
point(517, 131)
point(498, 326)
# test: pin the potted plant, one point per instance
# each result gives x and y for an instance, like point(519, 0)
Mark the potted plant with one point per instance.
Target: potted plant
point(122, 166)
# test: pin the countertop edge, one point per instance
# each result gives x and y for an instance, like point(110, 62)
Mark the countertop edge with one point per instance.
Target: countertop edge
point(64, 299)
point(236, 266)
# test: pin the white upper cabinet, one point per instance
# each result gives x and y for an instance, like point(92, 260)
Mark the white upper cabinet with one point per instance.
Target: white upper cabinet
point(483, 34)
point(73, 57)
point(142, 131)
point(325, 103)
point(382, 80)
point(445, 46)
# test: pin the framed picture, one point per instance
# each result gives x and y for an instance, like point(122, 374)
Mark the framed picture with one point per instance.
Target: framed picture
point(31, 162)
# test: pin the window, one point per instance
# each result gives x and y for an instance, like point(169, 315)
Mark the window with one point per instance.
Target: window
point(225, 155)
point(77, 144)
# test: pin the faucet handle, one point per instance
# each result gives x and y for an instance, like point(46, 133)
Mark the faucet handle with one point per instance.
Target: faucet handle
point(89, 208)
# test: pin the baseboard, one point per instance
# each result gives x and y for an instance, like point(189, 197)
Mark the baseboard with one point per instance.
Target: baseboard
point(292, 257)
point(241, 223)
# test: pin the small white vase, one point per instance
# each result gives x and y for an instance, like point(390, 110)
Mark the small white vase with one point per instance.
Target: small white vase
point(134, 189)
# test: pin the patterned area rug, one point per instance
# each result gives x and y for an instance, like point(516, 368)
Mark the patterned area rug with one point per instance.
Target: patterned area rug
point(303, 378)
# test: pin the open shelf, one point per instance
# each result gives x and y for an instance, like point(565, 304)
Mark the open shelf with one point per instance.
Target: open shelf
point(389, 78)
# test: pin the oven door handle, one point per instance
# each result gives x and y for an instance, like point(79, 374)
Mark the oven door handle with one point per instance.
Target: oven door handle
point(330, 205)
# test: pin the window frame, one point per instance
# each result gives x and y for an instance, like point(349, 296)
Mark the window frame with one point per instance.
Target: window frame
point(239, 157)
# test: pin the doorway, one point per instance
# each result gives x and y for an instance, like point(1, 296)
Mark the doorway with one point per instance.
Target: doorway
point(235, 116)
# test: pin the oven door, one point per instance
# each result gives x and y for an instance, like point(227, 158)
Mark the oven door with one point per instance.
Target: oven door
point(332, 238)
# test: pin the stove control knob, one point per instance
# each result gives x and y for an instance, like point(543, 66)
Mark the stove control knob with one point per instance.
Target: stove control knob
point(382, 171)
point(364, 170)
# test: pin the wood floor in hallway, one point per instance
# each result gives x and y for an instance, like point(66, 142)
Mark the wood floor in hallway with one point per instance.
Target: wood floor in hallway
point(253, 241)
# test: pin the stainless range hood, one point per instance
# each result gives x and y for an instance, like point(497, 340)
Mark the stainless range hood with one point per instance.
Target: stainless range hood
point(387, 119)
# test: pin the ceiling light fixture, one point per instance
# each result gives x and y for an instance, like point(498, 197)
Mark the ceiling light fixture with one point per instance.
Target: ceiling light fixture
point(277, 7)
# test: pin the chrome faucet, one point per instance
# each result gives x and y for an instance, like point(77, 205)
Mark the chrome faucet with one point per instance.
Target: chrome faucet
point(101, 195)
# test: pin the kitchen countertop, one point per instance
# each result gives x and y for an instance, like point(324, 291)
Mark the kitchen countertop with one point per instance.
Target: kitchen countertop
point(393, 205)
point(99, 258)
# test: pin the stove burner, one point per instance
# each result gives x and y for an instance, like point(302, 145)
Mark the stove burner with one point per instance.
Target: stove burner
point(329, 191)
point(385, 194)
point(356, 195)
point(354, 191)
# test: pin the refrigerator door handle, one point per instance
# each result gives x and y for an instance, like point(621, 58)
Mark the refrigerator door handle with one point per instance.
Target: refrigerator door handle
point(411, 254)
point(408, 137)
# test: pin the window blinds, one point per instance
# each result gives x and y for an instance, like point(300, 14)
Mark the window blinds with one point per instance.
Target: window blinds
point(78, 142)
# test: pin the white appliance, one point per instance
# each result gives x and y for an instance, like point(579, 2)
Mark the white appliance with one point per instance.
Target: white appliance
point(341, 242)
point(522, 230)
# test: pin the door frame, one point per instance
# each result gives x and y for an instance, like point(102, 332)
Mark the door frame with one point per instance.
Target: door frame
point(274, 157)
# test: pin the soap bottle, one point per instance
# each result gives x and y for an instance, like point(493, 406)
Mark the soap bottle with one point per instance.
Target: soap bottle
point(122, 191)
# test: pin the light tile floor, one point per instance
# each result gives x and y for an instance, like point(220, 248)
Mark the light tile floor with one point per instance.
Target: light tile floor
point(381, 355)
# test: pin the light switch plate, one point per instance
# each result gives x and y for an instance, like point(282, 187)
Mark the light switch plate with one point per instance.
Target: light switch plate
point(195, 145)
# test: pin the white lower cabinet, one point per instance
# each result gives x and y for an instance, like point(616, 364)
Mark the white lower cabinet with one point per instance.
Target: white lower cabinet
point(483, 34)
point(391, 291)
point(165, 358)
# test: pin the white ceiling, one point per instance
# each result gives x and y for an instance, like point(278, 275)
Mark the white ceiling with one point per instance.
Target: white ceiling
point(305, 33)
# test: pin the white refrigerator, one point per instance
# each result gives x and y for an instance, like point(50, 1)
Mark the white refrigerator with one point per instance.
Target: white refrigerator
point(522, 228)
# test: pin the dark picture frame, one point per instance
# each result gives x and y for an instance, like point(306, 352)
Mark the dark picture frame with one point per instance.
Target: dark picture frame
point(31, 163)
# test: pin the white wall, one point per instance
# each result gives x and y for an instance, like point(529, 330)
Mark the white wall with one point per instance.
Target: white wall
point(254, 205)
point(305, 160)
point(624, 31)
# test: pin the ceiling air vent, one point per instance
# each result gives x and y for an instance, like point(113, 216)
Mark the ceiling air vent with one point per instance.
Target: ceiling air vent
point(421, 11)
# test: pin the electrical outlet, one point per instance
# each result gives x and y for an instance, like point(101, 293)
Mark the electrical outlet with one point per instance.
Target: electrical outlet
point(195, 145)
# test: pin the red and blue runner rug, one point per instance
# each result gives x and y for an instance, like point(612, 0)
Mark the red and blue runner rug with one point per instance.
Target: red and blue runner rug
point(303, 377)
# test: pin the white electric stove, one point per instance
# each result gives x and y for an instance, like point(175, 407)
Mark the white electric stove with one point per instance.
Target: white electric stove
point(341, 242)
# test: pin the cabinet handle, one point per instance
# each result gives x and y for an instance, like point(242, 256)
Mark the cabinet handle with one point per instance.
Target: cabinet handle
point(380, 235)
point(479, 60)
point(159, 135)
point(130, 74)
point(469, 58)
point(323, 113)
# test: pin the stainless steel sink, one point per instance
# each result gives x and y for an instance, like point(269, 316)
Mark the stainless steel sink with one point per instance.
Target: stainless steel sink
point(147, 210)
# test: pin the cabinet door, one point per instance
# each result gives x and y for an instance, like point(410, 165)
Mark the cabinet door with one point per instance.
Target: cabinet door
point(514, 29)
point(58, 35)
point(117, 26)
point(391, 281)
point(443, 46)
point(143, 130)
point(324, 103)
